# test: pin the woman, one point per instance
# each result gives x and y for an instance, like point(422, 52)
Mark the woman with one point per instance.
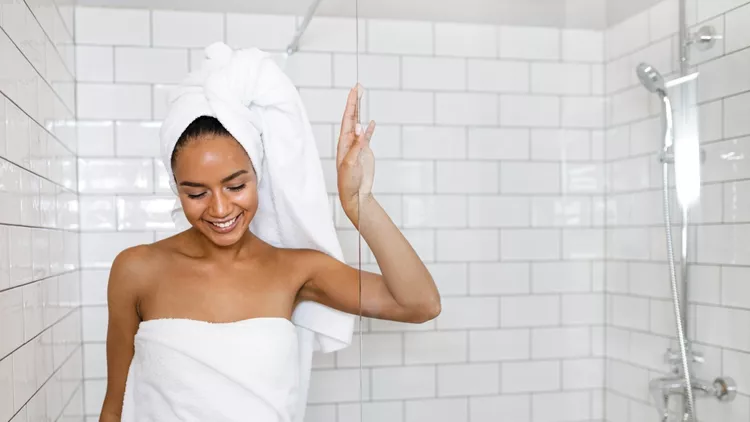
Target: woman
point(218, 274)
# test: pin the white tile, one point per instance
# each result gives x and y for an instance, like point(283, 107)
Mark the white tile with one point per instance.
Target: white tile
point(515, 407)
point(434, 211)
point(644, 277)
point(386, 141)
point(400, 37)
point(437, 410)
point(627, 379)
point(561, 277)
point(120, 175)
point(404, 177)
point(582, 45)
point(499, 345)
point(320, 413)
point(403, 382)
point(724, 244)
point(339, 385)
point(435, 347)
point(710, 121)
point(627, 36)
point(94, 64)
point(381, 349)
point(560, 144)
point(710, 8)
point(466, 177)
point(371, 412)
point(498, 144)
point(451, 279)
point(428, 142)
point(6, 384)
point(109, 26)
point(736, 33)
point(150, 65)
point(470, 379)
point(468, 312)
point(556, 407)
point(704, 286)
point(726, 160)
point(466, 109)
point(629, 106)
point(161, 181)
point(325, 139)
point(735, 123)
point(498, 278)
point(12, 320)
point(423, 242)
point(98, 250)
point(40, 253)
point(94, 287)
point(557, 211)
point(498, 211)
point(5, 246)
point(105, 101)
point(630, 174)
point(735, 286)
point(538, 43)
point(95, 364)
point(630, 312)
point(661, 19)
point(618, 74)
point(529, 311)
point(400, 107)
point(95, 321)
point(583, 244)
point(529, 111)
point(465, 40)
point(568, 342)
point(469, 245)
point(310, 69)
point(267, 32)
point(375, 71)
point(583, 112)
point(326, 105)
point(736, 201)
point(433, 73)
point(137, 139)
point(507, 76)
point(529, 244)
point(524, 377)
point(725, 76)
point(160, 101)
point(145, 213)
point(332, 34)
point(583, 373)
point(186, 29)
point(561, 78)
point(20, 255)
point(514, 178)
point(24, 374)
point(95, 138)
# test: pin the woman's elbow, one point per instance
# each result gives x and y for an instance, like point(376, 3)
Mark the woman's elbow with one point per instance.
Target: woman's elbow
point(427, 311)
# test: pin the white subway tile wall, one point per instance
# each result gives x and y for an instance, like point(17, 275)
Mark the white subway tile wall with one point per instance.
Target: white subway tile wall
point(637, 299)
point(41, 362)
point(485, 152)
point(490, 150)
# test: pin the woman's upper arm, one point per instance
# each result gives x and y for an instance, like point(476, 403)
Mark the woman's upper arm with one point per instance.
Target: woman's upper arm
point(122, 298)
point(337, 285)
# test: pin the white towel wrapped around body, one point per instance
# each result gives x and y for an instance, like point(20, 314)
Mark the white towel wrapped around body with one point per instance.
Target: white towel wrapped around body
point(260, 106)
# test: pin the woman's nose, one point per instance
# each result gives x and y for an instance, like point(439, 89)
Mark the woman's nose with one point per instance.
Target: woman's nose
point(220, 205)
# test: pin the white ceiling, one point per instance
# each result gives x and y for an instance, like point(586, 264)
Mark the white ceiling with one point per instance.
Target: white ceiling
point(559, 13)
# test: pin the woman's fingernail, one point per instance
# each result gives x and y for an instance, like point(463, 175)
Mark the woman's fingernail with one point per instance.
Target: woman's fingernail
point(358, 129)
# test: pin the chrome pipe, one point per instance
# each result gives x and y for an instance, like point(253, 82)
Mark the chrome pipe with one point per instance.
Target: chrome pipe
point(293, 47)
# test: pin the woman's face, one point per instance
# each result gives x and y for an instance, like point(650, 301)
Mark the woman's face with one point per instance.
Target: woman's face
point(217, 187)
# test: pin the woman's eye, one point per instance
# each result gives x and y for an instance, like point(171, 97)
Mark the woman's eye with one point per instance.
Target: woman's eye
point(237, 188)
point(200, 195)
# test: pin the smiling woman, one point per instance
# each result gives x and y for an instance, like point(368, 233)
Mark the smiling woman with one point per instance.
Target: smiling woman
point(219, 322)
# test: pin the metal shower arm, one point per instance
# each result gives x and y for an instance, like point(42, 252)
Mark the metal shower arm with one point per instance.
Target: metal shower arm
point(293, 47)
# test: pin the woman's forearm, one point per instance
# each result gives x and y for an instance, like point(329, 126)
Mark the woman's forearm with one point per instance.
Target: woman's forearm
point(403, 271)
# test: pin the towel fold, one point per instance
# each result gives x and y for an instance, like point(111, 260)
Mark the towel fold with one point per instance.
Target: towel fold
point(260, 106)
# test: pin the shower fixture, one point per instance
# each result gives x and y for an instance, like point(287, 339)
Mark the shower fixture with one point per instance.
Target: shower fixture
point(682, 382)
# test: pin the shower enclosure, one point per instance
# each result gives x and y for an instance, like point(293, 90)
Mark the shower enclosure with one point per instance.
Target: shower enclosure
point(574, 173)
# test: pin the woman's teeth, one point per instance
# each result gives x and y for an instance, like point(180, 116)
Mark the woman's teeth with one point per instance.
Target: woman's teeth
point(225, 225)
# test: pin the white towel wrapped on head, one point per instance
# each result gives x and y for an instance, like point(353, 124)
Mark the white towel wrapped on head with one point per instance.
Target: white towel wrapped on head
point(260, 106)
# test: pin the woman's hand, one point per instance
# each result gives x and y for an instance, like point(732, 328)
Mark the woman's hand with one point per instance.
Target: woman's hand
point(355, 162)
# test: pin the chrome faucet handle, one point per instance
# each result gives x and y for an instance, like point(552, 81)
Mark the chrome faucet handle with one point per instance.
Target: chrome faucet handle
point(673, 357)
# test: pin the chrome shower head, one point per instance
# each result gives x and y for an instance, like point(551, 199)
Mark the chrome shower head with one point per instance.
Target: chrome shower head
point(651, 78)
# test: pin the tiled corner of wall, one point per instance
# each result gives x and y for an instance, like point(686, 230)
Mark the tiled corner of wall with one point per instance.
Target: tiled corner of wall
point(41, 364)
